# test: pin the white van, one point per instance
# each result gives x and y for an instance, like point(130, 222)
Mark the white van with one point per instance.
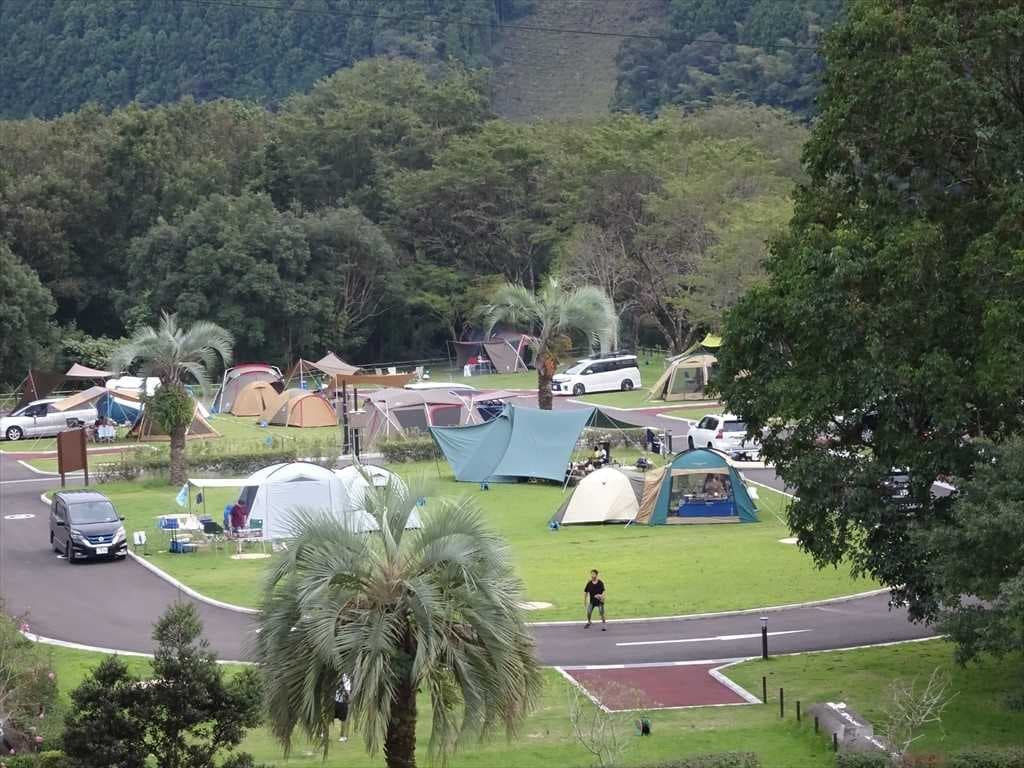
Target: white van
point(598, 374)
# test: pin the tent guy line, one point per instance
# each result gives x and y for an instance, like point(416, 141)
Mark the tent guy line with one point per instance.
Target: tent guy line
point(722, 638)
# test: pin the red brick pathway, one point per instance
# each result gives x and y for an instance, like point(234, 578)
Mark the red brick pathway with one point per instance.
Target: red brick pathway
point(655, 687)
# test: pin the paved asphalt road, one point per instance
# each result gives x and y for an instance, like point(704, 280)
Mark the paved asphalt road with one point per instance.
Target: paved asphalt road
point(114, 605)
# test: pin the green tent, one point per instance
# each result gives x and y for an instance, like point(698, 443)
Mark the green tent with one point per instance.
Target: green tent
point(518, 443)
point(698, 486)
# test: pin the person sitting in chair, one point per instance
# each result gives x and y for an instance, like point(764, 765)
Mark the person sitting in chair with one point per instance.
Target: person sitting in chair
point(713, 486)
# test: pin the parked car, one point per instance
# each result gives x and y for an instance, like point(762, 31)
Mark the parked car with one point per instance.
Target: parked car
point(725, 433)
point(85, 524)
point(598, 374)
point(41, 419)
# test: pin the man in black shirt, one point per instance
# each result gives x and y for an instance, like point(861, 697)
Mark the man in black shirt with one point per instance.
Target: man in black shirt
point(593, 597)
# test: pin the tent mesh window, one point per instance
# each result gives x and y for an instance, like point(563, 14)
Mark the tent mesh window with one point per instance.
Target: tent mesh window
point(691, 488)
point(688, 381)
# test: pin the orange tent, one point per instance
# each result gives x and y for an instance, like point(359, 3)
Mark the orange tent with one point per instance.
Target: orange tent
point(299, 408)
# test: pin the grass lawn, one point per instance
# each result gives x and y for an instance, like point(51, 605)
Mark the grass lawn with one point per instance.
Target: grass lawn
point(978, 715)
point(723, 566)
point(545, 739)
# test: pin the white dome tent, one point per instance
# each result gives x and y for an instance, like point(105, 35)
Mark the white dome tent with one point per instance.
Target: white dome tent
point(357, 482)
point(274, 493)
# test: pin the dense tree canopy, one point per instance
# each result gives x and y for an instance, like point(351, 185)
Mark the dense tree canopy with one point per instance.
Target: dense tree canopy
point(760, 50)
point(889, 335)
point(375, 214)
point(57, 55)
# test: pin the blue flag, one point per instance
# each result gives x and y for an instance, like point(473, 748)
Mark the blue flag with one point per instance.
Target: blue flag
point(183, 496)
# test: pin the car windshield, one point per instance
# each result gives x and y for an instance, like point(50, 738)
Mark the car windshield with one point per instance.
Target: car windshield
point(86, 512)
point(578, 368)
point(735, 426)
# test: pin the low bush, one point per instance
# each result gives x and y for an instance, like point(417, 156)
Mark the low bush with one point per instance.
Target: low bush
point(862, 760)
point(987, 758)
point(49, 759)
point(720, 760)
point(411, 449)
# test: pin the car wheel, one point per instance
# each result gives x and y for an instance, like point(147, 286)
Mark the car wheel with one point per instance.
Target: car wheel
point(14, 433)
point(578, 390)
point(69, 553)
point(627, 384)
point(711, 446)
point(689, 442)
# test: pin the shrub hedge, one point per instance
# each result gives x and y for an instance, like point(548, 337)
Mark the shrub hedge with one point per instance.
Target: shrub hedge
point(49, 759)
point(862, 760)
point(411, 449)
point(987, 758)
point(719, 760)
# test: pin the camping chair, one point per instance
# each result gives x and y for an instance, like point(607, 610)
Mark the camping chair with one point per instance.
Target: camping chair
point(418, 371)
point(378, 371)
point(214, 533)
point(252, 535)
point(392, 370)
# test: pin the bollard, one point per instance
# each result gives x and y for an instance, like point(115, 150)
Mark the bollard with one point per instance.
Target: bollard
point(764, 638)
point(764, 690)
point(798, 710)
point(815, 723)
point(782, 703)
point(835, 741)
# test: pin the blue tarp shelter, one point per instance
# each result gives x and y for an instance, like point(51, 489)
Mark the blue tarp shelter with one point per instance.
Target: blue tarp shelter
point(518, 443)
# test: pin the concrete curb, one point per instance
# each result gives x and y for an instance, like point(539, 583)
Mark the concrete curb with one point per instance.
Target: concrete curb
point(182, 587)
point(110, 651)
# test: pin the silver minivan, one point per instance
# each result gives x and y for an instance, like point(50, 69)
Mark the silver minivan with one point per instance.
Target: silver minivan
point(41, 419)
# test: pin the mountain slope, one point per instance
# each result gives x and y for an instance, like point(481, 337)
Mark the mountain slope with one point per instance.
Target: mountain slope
point(549, 74)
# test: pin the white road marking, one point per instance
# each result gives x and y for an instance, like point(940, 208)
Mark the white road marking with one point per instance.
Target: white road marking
point(23, 516)
point(49, 480)
point(712, 639)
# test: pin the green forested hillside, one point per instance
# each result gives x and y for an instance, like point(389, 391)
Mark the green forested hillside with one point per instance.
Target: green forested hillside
point(764, 51)
point(56, 55)
point(372, 214)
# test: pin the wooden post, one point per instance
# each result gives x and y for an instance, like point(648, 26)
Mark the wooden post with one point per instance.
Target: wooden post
point(815, 723)
point(764, 689)
point(798, 710)
point(835, 741)
point(782, 703)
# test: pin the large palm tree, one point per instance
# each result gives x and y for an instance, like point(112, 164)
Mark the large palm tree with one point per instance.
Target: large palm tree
point(176, 355)
point(434, 610)
point(552, 313)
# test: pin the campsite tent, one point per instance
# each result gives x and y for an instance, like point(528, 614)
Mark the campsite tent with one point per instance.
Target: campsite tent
point(399, 412)
point(274, 493)
point(506, 351)
point(37, 385)
point(134, 384)
point(688, 374)
point(333, 365)
point(237, 378)
point(119, 407)
point(254, 398)
point(698, 486)
point(79, 371)
point(298, 408)
point(357, 481)
point(604, 496)
point(146, 428)
point(518, 443)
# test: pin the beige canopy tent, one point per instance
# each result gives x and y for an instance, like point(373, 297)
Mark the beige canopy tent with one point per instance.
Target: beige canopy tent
point(688, 375)
point(79, 371)
point(299, 408)
point(333, 365)
point(147, 428)
point(254, 398)
point(81, 398)
point(371, 380)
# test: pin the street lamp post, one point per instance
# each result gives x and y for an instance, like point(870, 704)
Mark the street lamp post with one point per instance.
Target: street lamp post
point(764, 638)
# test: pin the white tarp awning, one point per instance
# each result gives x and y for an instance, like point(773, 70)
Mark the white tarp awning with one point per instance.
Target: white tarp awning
point(216, 482)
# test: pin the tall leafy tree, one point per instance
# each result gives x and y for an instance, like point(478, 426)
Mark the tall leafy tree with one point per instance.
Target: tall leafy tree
point(890, 332)
point(25, 327)
point(981, 554)
point(434, 610)
point(551, 314)
point(176, 355)
point(189, 714)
